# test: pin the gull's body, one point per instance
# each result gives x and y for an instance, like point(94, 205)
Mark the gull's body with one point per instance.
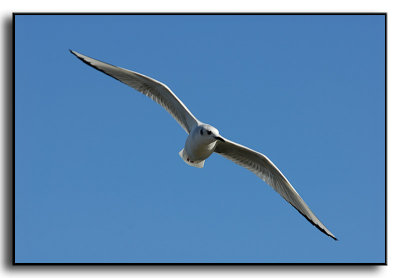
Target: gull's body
point(204, 139)
point(199, 145)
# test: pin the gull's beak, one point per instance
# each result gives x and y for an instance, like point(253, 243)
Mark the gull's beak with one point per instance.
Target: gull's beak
point(219, 138)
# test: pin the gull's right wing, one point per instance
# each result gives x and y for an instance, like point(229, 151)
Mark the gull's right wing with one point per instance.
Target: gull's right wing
point(260, 165)
point(154, 89)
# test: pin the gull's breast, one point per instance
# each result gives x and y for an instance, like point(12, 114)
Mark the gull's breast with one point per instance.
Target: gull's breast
point(197, 151)
point(201, 152)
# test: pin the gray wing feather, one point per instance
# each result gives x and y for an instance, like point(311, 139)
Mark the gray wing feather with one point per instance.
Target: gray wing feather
point(154, 89)
point(260, 165)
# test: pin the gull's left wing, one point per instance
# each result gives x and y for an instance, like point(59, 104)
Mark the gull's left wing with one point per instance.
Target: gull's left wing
point(150, 87)
point(260, 165)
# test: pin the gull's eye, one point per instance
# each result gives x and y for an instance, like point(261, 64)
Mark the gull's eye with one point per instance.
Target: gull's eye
point(201, 131)
point(209, 132)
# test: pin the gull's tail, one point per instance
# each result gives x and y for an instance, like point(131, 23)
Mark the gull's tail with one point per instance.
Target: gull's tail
point(184, 156)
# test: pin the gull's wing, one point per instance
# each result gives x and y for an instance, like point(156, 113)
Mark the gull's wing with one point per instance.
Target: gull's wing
point(154, 89)
point(260, 165)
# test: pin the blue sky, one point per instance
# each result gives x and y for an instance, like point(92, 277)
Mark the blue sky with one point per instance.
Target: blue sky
point(94, 182)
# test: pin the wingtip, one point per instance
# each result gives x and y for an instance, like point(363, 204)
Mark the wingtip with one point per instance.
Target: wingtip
point(327, 233)
point(73, 52)
point(323, 230)
point(81, 57)
point(330, 235)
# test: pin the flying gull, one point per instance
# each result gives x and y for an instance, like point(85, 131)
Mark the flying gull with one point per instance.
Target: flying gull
point(204, 139)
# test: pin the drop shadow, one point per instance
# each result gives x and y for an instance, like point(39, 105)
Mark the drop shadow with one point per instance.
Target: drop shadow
point(8, 141)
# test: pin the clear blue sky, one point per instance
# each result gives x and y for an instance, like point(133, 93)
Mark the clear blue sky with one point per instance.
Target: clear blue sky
point(94, 182)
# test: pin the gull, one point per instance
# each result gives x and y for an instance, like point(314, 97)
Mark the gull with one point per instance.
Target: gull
point(204, 139)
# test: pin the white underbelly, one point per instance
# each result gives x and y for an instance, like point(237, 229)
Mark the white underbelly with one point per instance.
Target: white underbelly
point(200, 152)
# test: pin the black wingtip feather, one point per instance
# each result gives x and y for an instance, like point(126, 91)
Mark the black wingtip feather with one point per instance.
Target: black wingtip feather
point(99, 69)
point(80, 58)
point(72, 52)
point(319, 228)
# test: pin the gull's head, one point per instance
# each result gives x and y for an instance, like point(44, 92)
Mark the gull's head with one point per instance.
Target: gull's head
point(208, 134)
